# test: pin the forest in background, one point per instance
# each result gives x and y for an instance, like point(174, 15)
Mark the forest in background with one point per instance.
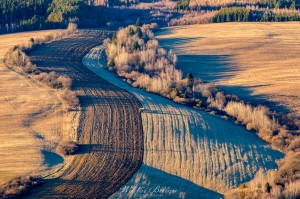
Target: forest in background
point(245, 10)
point(25, 15)
point(21, 15)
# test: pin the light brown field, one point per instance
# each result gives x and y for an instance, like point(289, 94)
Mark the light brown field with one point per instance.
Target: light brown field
point(259, 62)
point(31, 118)
point(9, 40)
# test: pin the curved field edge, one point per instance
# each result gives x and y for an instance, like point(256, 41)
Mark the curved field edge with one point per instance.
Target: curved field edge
point(109, 134)
point(32, 119)
point(197, 148)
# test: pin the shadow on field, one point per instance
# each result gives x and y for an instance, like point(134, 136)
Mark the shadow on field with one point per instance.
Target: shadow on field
point(51, 159)
point(155, 183)
point(246, 94)
point(214, 68)
point(169, 43)
point(207, 67)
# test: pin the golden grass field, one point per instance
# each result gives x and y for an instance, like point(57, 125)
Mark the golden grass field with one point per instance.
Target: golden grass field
point(32, 121)
point(259, 62)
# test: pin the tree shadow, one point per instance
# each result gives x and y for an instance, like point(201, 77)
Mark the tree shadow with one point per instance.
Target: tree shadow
point(214, 68)
point(207, 67)
point(51, 159)
point(246, 94)
point(169, 43)
point(150, 182)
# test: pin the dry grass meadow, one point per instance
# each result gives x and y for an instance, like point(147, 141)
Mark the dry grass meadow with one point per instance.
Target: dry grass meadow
point(187, 152)
point(258, 62)
point(32, 121)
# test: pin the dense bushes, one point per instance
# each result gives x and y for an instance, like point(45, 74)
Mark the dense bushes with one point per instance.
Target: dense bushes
point(16, 59)
point(19, 186)
point(134, 54)
point(284, 183)
point(193, 17)
point(255, 118)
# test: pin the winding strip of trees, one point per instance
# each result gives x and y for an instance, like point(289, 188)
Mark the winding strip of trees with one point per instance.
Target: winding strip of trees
point(133, 53)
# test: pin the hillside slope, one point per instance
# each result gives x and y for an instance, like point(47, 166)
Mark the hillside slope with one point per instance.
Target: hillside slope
point(187, 151)
point(110, 134)
point(31, 118)
point(258, 62)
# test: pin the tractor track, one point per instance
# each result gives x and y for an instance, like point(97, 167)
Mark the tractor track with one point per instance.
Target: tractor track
point(110, 129)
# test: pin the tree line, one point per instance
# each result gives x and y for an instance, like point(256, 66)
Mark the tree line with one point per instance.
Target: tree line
point(213, 5)
point(237, 14)
point(22, 15)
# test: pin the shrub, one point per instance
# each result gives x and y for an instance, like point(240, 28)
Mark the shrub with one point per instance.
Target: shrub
point(54, 80)
point(174, 93)
point(68, 147)
point(19, 186)
point(31, 40)
point(289, 169)
point(292, 190)
point(256, 118)
point(195, 17)
point(134, 49)
point(295, 144)
point(71, 99)
point(16, 57)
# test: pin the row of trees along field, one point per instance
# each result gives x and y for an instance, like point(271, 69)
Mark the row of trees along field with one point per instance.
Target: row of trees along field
point(247, 14)
point(22, 15)
point(134, 54)
point(194, 4)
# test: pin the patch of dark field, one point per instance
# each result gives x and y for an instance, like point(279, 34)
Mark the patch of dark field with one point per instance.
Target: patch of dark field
point(110, 130)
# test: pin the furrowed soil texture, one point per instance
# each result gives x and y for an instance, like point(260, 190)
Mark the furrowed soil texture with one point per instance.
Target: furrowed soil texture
point(110, 132)
point(31, 119)
point(188, 153)
point(258, 62)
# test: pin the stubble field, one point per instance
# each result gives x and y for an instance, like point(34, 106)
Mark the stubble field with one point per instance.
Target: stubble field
point(109, 133)
point(31, 119)
point(258, 62)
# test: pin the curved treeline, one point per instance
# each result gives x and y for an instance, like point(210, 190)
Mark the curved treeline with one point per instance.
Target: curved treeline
point(238, 14)
point(22, 15)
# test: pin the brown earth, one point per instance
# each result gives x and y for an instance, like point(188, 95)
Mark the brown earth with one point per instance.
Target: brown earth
point(110, 129)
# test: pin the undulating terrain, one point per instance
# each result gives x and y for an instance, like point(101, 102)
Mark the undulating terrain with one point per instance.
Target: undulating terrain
point(188, 153)
point(31, 118)
point(259, 62)
point(110, 132)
